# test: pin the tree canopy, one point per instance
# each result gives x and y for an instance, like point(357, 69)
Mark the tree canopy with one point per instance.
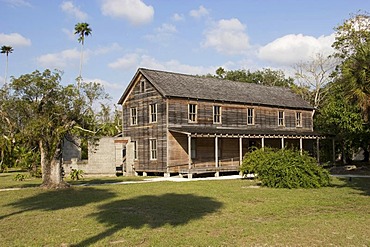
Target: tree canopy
point(44, 111)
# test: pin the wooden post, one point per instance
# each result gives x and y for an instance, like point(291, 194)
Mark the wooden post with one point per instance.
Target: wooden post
point(216, 151)
point(240, 150)
point(318, 150)
point(301, 145)
point(263, 142)
point(282, 142)
point(189, 151)
point(217, 174)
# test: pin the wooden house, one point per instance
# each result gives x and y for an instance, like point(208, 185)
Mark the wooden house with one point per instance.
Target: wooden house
point(186, 124)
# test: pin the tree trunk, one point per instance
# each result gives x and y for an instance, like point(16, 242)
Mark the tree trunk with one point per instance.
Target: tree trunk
point(51, 169)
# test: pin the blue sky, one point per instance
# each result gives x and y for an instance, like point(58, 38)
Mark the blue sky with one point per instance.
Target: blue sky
point(187, 36)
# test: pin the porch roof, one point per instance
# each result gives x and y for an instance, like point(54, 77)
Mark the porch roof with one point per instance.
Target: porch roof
point(196, 131)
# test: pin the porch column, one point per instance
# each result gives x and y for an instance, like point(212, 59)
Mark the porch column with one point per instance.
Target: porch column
point(282, 142)
point(217, 174)
point(318, 150)
point(189, 151)
point(263, 142)
point(240, 150)
point(301, 145)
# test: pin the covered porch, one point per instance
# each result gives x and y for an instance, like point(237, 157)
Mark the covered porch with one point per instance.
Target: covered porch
point(221, 150)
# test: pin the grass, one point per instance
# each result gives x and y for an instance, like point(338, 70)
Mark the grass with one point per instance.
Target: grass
point(196, 213)
point(7, 180)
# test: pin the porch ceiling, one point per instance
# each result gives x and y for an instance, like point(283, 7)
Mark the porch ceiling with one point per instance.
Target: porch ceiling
point(196, 131)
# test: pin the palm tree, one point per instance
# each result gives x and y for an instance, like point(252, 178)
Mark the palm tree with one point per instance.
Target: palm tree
point(6, 50)
point(82, 29)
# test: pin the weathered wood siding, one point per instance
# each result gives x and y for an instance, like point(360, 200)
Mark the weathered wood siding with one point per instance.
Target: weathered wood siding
point(144, 131)
point(235, 115)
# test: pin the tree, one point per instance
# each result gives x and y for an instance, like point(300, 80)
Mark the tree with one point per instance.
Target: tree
point(267, 77)
point(313, 78)
point(45, 112)
point(82, 29)
point(6, 50)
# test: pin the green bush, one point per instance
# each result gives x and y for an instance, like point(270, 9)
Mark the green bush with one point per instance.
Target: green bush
point(285, 168)
point(76, 174)
point(19, 177)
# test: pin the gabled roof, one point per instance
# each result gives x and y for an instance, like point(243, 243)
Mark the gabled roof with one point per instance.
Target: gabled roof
point(177, 85)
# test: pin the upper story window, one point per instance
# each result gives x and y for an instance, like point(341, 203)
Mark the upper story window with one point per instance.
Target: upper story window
point(153, 149)
point(216, 114)
point(133, 116)
point(298, 119)
point(281, 118)
point(192, 110)
point(142, 86)
point(153, 113)
point(250, 116)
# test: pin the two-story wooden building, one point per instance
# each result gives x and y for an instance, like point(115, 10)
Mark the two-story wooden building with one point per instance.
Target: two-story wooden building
point(188, 124)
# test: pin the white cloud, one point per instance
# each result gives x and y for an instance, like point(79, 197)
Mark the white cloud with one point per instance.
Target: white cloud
point(14, 40)
point(18, 3)
point(178, 17)
point(135, 11)
point(293, 48)
point(135, 60)
point(106, 84)
point(162, 33)
point(74, 11)
point(199, 13)
point(107, 49)
point(61, 59)
point(126, 62)
point(227, 37)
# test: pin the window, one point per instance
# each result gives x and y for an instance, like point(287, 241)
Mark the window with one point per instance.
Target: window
point(250, 116)
point(216, 114)
point(135, 150)
point(142, 86)
point(192, 113)
point(133, 115)
point(193, 148)
point(281, 118)
point(153, 113)
point(153, 149)
point(298, 118)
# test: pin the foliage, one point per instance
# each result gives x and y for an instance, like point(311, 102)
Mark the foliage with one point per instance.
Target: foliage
point(285, 168)
point(40, 112)
point(76, 174)
point(266, 77)
point(19, 177)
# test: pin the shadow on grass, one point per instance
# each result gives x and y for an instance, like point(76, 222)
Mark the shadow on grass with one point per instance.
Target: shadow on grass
point(151, 211)
point(60, 199)
point(360, 184)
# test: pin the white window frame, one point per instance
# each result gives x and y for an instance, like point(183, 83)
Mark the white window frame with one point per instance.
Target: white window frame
point(133, 116)
point(281, 119)
point(298, 119)
point(192, 115)
point(217, 114)
point(153, 113)
point(153, 149)
point(135, 150)
point(250, 116)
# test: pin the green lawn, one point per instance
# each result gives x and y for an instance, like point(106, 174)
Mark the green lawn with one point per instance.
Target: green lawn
point(195, 213)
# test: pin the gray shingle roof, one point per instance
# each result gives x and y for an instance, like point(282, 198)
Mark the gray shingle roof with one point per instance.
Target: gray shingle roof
point(171, 84)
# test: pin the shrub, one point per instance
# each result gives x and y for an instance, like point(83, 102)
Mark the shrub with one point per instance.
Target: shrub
point(19, 177)
point(285, 168)
point(76, 174)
